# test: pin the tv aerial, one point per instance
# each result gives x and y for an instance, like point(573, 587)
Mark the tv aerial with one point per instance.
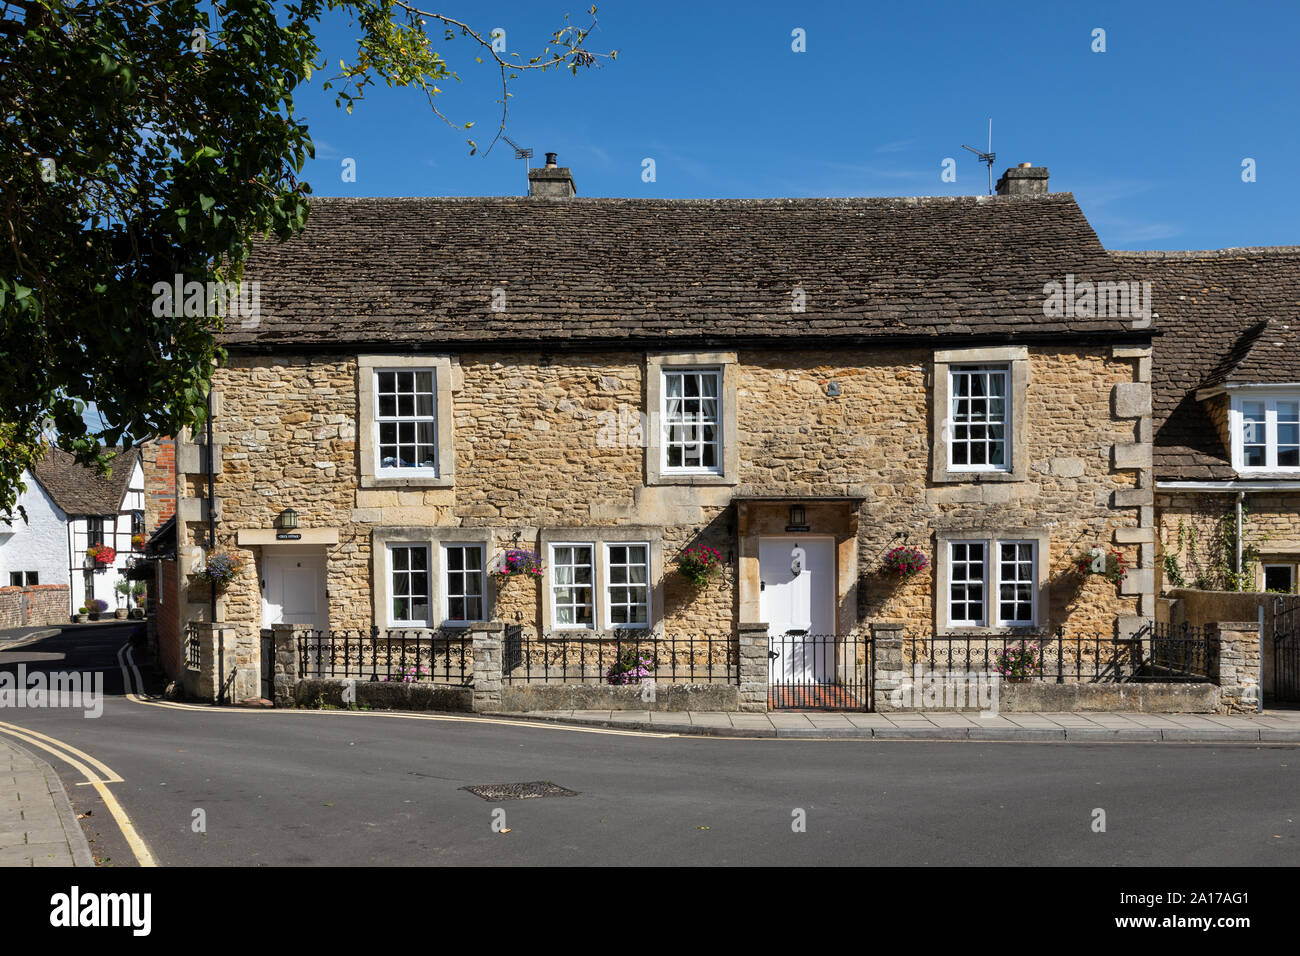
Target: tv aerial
point(520, 153)
point(988, 158)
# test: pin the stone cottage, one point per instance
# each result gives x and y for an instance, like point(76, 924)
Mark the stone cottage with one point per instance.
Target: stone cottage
point(800, 384)
point(1227, 416)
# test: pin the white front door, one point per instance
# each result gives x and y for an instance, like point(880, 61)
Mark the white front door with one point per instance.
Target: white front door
point(797, 600)
point(293, 590)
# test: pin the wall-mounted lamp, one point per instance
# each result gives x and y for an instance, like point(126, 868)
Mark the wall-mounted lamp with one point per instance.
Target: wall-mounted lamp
point(286, 520)
point(797, 516)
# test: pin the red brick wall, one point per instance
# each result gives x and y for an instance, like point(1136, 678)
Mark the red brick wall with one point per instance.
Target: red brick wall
point(158, 460)
point(39, 604)
point(167, 621)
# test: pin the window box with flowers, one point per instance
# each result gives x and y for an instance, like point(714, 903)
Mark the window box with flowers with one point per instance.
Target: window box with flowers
point(101, 556)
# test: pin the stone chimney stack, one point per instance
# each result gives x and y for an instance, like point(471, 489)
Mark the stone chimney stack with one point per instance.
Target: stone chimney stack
point(551, 181)
point(1023, 180)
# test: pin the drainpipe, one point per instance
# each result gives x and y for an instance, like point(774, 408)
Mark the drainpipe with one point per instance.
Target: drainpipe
point(1241, 496)
point(212, 545)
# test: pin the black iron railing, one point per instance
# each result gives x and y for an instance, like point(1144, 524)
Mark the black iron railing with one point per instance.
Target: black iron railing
point(819, 671)
point(192, 646)
point(1286, 650)
point(618, 657)
point(1178, 652)
point(1155, 653)
point(443, 656)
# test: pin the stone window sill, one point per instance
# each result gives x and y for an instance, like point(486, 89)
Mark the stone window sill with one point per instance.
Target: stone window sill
point(407, 481)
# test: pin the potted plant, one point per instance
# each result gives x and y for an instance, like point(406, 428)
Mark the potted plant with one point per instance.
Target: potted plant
point(137, 542)
point(101, 555)
point(82, 615)
point(518, 562)
point(1019, 664)
point(123, 588)
point(903, 562)
point(699, 564)
point(1109, 564)
point(632, 667)
point(96, 606)
point(221, 568)
point(138, 598)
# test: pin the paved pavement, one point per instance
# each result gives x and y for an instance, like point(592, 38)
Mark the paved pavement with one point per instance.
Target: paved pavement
point(1273, 726)
point(37, 825)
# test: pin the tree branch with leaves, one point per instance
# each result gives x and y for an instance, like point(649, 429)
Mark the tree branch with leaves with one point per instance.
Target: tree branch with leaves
point(145, 139)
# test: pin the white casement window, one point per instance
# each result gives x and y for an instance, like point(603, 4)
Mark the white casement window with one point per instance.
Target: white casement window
point(408, 570)
point(627, 585)
point(463, 583)
point(692, 423)
point(1266, 432)
point(573, 585)
point(979, 417)
point(1012, 577)
point(967, 571)
point(406, 426)
point(1017, 582)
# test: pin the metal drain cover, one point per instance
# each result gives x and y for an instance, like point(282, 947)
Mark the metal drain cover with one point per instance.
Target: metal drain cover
point(520, 791)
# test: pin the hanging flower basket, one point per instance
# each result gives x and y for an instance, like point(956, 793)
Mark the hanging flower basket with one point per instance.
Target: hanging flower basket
point(698, 565)
point(102, 555)
point(904, 562)
point(221, 568)
point(518, 562)
point(1109, 564)
point(137, 542)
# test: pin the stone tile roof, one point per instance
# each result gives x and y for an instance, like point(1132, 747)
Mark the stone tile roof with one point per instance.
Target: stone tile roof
point(638, 272)
point(1266, 354)
point(1224, 316)
point(82, 490)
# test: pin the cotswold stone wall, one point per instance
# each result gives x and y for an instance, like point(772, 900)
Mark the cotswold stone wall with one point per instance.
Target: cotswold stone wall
point(1198, 530)
point(556, 441)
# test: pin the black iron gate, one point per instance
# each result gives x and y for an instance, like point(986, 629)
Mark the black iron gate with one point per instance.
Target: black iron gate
point(268, 665)
point(1286, 650)
point(819, 672)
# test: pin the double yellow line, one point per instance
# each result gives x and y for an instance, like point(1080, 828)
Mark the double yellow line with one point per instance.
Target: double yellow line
point(98, 775)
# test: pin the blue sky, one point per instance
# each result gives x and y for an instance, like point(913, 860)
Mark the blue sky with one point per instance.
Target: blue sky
point(1150, 135)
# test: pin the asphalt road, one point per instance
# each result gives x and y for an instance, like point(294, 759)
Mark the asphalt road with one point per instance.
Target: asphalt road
point(341, 788)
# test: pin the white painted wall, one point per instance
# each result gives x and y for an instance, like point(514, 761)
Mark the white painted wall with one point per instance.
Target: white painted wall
point(40, 544)
point(117, 535)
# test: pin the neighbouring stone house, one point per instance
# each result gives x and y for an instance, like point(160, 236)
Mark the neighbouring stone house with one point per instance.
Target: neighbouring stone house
point(70, 508)
point(801, 383)
point(1227, 416)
